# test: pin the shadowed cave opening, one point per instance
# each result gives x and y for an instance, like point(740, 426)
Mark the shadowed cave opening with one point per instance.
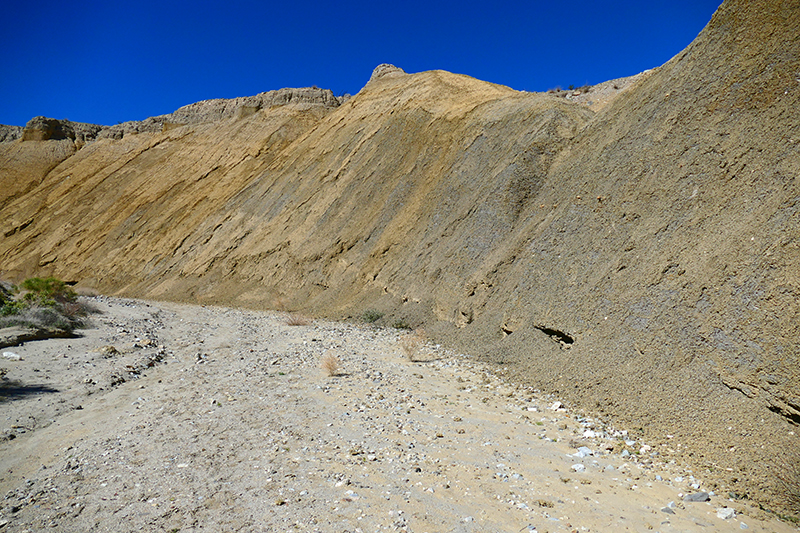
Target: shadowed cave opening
point(556, 335)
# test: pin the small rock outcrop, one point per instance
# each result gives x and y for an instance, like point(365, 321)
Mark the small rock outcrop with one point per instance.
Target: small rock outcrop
point(9, 133)
point(386, 70)
point(45, 129)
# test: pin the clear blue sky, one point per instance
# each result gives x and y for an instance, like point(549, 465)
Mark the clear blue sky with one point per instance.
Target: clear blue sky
point(110, 61)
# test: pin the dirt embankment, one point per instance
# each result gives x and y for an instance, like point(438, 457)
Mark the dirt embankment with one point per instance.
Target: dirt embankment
point(638, 259)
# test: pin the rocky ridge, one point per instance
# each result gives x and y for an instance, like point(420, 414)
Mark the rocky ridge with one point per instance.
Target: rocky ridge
point(44, 128)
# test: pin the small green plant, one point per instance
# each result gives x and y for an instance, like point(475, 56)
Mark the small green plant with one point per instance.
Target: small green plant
point(371, 315)
point(48, 292)
point(11, 307)
point(401, 324)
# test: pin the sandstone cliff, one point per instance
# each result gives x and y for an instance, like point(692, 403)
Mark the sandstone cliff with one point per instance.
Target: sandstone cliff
point(639, 258)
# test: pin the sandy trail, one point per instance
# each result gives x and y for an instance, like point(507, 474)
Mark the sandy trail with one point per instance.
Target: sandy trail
point(214, 419)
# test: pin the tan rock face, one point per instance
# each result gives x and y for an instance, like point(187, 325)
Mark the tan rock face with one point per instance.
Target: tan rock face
point(385, 70)
point(640, 260)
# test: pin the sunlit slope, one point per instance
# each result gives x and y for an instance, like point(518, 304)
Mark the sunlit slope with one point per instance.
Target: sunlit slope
point(293, 204)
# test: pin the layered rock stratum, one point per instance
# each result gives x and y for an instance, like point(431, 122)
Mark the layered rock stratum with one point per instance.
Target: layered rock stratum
point(638, 258)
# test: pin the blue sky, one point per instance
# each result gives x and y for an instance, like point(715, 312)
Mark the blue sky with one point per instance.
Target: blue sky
point(107, 62)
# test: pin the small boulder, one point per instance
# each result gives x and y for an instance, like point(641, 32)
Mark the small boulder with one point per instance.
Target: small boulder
point(697, 497)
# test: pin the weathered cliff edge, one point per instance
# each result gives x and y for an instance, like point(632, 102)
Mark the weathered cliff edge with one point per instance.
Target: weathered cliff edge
point(640, 261)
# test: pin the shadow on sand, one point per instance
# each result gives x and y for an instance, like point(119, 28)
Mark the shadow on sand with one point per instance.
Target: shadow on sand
point(14, 390)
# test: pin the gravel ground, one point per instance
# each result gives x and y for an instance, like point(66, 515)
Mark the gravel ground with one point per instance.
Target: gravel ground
point(167, 417)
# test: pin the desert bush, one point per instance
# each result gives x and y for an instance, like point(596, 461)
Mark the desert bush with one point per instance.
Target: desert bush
point(788, 480)
point(11, 307)
point(371, 315)
point(47, 318)
point(413, 345)
point(294, 319)
point(47, 292)
point(330, 364)
point(401, 324)
point(43, 303)
point(6, 292)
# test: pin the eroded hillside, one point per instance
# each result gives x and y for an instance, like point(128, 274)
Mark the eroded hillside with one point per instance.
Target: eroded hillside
point(640, 260)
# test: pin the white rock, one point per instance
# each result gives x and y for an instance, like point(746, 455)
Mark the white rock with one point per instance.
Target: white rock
point(11, 356)
point(726, 513)
point(583, 451)
point(579, 467)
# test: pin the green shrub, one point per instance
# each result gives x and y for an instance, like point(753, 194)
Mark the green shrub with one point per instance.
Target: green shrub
point(43, 303)
point(48, 292)
point(371, 315)
point(401, 324)
point(11, 307)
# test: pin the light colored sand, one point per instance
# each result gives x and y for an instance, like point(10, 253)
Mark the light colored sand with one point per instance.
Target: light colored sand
point(238, 429)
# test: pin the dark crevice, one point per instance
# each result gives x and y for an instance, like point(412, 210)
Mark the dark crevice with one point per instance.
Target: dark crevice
point(506, 330)
point(556, 335)
point(792, 418)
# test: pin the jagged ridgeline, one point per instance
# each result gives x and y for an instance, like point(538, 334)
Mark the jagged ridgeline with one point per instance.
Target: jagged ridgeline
point(634, 250)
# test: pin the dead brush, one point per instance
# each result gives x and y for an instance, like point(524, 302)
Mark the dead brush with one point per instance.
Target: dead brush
point(330, 364)
point(290, 318)
point(413, 345)
point(788, 481)
point(294, 319)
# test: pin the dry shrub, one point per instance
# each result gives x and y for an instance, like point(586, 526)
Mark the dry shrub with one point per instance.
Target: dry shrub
point(371, 315)
point(279, 303)
point(330, 364)
point(788, 479)
point(293, 319)
point(413, 345)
